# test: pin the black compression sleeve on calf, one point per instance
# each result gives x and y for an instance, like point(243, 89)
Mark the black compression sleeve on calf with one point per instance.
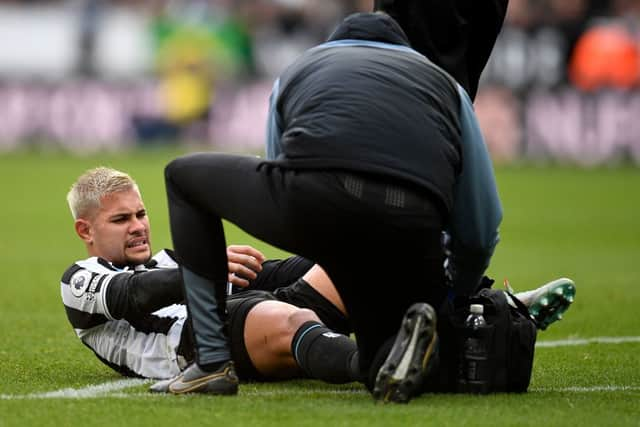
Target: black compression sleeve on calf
point(325, 355)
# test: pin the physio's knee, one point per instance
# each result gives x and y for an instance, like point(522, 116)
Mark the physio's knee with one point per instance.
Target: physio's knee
point(173, 167)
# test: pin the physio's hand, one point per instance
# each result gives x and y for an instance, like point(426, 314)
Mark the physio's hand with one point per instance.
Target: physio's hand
point(245, 263)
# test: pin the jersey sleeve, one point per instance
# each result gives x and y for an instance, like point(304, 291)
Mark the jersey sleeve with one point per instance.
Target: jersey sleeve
point(472, 233)
point(94, 291)
point(83, 290)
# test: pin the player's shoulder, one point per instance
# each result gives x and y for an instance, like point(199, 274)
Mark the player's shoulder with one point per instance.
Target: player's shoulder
point(88, 267)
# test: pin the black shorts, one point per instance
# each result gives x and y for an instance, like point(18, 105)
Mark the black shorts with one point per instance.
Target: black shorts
point(238, 307)
point(302, 295)
point(299, 294)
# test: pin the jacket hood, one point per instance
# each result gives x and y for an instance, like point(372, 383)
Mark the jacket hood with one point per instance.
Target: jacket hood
point(378, 27)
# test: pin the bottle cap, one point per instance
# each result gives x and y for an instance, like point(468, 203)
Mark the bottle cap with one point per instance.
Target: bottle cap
point(476, 308)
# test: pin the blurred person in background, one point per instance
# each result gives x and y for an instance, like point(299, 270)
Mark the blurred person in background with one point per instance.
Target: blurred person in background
point(607, 53)
point(283, 29)
point(198, 45)
point(90, 21)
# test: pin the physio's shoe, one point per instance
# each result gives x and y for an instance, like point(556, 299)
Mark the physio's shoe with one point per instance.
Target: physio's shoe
point(548, 303)
point(195, 380)
point(411, 358)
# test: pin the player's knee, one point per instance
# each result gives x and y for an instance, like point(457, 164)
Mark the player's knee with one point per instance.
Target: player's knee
point(272, 325)
point(282, 329)
point(299, 317)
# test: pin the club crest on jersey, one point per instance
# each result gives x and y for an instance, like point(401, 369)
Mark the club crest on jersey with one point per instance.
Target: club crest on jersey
point(80, 282)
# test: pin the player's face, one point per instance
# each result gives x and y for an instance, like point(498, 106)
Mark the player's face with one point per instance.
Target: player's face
point(120, 230)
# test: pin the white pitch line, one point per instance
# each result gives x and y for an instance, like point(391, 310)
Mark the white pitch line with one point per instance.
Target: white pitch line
point(592, 389)
point(323, 392)
point(88, 392)
point(109, 389)
point(585, 341)
point(245, 392)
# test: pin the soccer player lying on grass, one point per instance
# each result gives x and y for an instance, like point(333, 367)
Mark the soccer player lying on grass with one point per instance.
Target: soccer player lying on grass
point(124, 304)
point(120, 301)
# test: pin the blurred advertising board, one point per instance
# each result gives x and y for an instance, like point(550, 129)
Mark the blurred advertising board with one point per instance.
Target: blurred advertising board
point(560, 125)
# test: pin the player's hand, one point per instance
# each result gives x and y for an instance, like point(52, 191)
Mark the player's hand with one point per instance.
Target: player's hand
point(245, 263)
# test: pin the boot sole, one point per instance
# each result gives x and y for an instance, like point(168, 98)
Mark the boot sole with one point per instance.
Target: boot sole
point(403, 372)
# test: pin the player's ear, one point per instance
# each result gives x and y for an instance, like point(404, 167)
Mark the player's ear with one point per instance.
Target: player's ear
point(83, 230)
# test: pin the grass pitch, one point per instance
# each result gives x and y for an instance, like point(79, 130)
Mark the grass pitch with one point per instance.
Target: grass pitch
point(583, 224)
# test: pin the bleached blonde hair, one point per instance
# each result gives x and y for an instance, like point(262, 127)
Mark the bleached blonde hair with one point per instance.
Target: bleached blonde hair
point(85, 194)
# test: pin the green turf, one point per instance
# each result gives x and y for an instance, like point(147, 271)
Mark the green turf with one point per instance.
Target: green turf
point(584, 224)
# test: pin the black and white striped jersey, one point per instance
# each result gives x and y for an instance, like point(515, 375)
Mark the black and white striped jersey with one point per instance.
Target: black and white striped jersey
point(134, 331)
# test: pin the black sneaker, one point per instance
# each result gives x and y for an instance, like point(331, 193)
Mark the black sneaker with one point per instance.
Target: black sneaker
point(411, 358)
point(193, 379)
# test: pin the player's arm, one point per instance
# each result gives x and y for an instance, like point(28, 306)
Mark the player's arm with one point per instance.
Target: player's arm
point(94, 291)
point(129, 296)
point(248, 267)
point(477, 211)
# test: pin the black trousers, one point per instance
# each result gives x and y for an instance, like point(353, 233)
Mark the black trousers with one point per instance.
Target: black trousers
point(378, 240)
